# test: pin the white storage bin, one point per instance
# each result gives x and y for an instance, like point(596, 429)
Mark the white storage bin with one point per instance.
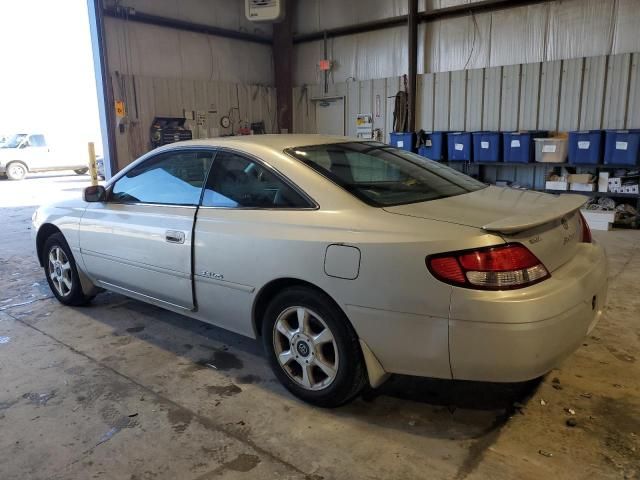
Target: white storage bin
point(582, 187)
point(556, 185)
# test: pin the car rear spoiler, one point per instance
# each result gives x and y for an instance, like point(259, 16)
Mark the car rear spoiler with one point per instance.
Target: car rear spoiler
point(563, 205)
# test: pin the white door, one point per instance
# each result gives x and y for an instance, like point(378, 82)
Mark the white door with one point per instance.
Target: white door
point(330, 117)
point(36, 154)
point(139, 241)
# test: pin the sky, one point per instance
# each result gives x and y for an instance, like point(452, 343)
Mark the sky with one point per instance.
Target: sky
point(47, 80)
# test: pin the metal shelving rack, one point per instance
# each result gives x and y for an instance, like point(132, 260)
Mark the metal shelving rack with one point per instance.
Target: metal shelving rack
point(466, 167)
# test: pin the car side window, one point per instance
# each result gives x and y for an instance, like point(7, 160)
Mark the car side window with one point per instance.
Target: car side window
point(235, 181)
point(37, 141)
point(172, 178)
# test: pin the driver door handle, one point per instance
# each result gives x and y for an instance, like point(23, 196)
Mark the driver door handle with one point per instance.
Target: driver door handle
point(174, 236)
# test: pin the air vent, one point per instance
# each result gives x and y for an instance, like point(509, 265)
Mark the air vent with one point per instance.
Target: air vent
point(264, 10)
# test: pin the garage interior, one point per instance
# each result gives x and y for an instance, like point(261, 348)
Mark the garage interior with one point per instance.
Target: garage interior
point(126, 390)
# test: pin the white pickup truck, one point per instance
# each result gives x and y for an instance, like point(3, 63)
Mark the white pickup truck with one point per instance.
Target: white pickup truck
point(22, 153)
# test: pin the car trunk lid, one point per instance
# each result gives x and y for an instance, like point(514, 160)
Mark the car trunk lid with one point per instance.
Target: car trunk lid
point(548, 225)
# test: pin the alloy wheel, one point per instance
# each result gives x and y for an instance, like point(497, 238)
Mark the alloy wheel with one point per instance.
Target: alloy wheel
point(305, 348)
point(60, 271)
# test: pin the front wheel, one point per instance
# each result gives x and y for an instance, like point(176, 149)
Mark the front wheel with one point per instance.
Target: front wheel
point(16, 171)
point(62, 273)
point(312, 348)
point(81, 171)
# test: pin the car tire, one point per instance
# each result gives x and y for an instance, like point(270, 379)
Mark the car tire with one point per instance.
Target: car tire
point(16, 171)
point(61, 272)
point(320, 363)
point(81, 171)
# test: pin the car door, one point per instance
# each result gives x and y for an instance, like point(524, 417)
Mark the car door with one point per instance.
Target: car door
point(35, 152)
point(139, 241)
point(247, 213)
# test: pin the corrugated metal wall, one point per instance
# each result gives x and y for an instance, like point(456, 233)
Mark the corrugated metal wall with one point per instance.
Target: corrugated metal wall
point(584, 93)
point(229, 14)
point(175, 70)
point(554, 30)
point(156, 96)
point(148, 50)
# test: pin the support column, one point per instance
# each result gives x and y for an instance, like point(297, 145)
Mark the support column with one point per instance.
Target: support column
point(283, 64)
point(103, 87)
point(413, 62)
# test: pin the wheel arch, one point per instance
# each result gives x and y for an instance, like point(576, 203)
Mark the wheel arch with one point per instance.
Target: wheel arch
point(44, 232)
point(21, 162)
point(375, 372)
point(273, 288)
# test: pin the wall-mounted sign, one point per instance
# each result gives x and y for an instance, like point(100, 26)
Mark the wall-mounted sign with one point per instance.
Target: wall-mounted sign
point(119, 106)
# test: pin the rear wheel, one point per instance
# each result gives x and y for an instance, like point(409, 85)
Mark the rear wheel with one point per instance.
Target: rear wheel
point(81, 171)
point(312, 348)
point(16, 171)
point(62, 273)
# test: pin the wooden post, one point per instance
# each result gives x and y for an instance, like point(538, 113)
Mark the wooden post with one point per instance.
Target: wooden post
point(93, 170)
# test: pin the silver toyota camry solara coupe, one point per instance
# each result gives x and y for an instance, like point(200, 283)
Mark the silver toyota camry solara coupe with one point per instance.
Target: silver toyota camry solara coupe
point(349, 259)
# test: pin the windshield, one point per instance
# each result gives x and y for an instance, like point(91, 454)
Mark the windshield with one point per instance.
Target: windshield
point(13, 141)
point(384, 176)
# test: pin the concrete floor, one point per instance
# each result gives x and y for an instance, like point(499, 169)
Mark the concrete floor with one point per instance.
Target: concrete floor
point(124, 390)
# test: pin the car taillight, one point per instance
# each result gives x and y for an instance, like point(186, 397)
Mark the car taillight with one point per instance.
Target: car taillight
point(586, 231)
point(503, 267)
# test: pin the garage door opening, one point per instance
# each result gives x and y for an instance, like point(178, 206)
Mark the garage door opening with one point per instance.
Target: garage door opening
point(49, 102)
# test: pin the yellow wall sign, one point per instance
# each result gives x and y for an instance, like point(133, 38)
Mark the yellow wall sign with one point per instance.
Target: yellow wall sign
point(119, 108)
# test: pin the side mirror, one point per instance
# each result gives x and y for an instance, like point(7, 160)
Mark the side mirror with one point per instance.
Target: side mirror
point(94, 193)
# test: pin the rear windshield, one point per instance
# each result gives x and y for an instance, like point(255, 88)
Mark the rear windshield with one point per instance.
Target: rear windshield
point(384, 176)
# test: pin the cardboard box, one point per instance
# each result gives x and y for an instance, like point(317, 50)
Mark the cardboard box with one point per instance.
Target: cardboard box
point(551, 150)
point(556, 185)
point(600, 226)
point(599, 219)
point(582, 187)
point(580, 178)
point(599, 215)
point(615, 185)
point(603, 182)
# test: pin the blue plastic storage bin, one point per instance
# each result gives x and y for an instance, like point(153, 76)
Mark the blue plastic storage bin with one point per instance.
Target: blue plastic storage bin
point(585, 147)
point(424, 152)
point(621, 147)
point(434, 146)
point(486, 146)
point(459, 146)
point(403, 140)
point(519, 146)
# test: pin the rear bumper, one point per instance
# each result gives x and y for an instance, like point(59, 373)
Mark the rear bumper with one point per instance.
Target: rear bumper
point(522, 334)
